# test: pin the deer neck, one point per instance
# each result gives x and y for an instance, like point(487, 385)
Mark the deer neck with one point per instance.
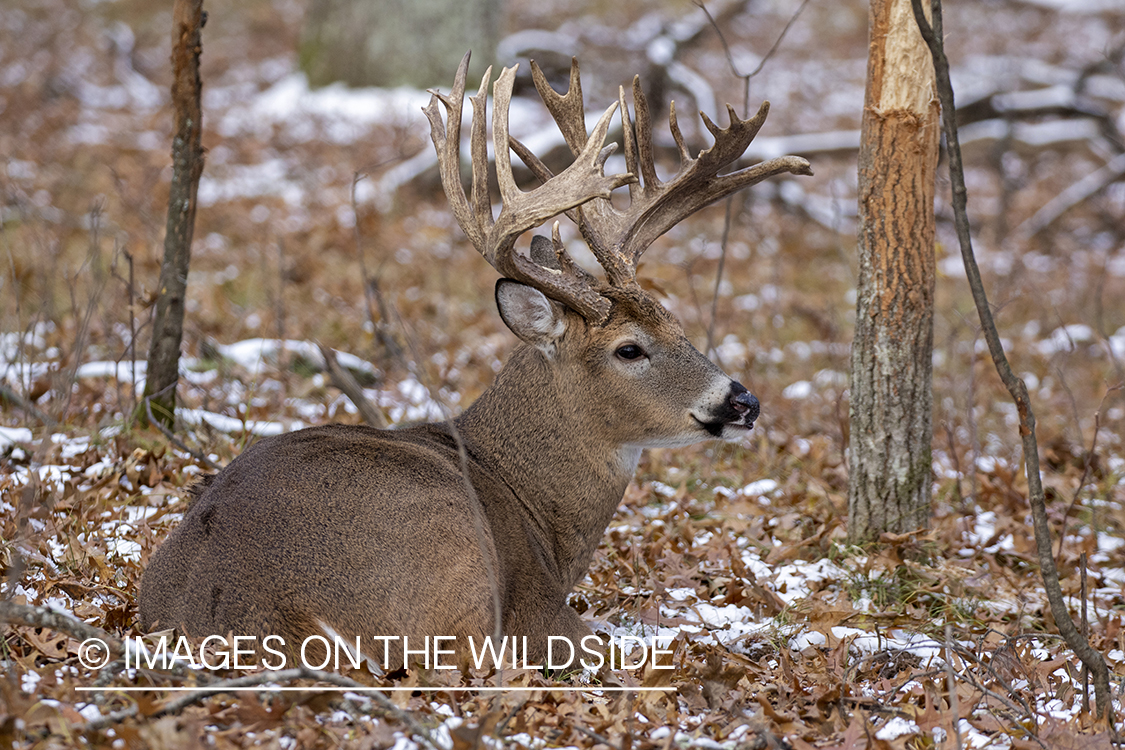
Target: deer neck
point(529, 428)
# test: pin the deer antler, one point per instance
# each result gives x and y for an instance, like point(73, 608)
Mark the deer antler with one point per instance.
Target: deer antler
point(584, 180)
point(582, 191)
point(618, 238)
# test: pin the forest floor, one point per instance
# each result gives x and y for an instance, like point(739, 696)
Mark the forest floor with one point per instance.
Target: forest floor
point(782, 635)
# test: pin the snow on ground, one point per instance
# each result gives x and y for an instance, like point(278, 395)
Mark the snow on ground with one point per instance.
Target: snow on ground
point(796, 583)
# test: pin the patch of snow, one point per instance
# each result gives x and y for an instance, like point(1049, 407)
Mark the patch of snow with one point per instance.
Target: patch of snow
point(252, 354)
point(681, 595)
point(12, 435)
point(335, 113)
point(896, 727)
point(235, 426)
point(1088, 7)
point(760, 487)
point(29, 681)
point(799, 390)
point(122, 371)
point(1065, 339)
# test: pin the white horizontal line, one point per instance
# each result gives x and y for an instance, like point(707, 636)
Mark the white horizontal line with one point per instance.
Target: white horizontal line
point(336, 689)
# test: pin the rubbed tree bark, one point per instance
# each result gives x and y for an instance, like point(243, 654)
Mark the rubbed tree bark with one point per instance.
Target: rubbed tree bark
point(397, 42)
point(187, 166)
point(891, 381)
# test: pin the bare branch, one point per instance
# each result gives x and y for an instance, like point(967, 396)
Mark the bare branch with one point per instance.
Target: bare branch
point(159, 424)
point(344, 380)
point(289, 675)
point(933, 36)
point(42, 617)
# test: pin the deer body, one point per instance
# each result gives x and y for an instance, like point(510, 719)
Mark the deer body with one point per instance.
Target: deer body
point(363, 532)
point(371, 532)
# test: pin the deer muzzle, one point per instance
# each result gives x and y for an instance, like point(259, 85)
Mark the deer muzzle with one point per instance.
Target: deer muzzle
point(734, 416)
point(745, 404)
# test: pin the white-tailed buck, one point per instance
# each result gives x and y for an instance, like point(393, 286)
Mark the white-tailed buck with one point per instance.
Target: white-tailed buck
point(362, 532)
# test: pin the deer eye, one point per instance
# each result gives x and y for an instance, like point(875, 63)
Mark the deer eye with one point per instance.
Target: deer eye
point(630, 352)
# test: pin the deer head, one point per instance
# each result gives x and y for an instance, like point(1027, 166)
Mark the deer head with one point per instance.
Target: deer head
point(651, 343)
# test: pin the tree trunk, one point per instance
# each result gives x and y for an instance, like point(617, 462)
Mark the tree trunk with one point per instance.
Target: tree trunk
point(889, 456)
point(397, 42)
point(187, 166)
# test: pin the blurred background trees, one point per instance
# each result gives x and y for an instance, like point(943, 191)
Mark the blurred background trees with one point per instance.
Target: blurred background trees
point(397, 42)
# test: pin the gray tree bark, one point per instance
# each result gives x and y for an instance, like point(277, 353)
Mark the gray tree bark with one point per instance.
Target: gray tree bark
point(187, 166)
point(397, 42)
point(889, 453)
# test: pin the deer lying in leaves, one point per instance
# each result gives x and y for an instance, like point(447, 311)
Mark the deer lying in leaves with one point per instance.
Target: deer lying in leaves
point(362, 532)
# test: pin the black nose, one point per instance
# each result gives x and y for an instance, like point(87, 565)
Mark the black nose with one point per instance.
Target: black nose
point(745, 403)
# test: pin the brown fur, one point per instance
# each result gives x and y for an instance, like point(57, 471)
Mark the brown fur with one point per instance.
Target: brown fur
point(371, 532)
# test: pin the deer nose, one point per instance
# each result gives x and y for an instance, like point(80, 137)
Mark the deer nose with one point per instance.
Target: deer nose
point(745, 404)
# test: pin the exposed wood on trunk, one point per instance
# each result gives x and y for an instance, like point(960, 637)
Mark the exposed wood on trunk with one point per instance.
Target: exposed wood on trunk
point(891, 391)
point(187, 166)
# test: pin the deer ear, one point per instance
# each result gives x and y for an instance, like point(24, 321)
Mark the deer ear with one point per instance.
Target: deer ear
point(530, 315)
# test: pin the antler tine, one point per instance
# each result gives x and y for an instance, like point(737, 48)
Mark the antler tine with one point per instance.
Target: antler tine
point(644, 137)
point(448, 147)
point(579, 183)
point(567, 109)
point(481, 202)
point(630, 141)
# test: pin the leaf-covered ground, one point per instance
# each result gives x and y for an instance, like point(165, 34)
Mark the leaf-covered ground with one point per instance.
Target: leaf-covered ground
point(781, 633)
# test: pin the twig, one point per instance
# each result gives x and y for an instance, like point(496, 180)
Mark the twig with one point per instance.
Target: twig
point(346, 382)
point(1085, 468)
point(762, 63)
point(356, 177)
point(933, 37)
point(1099, 319)
point(967, 678)
point(130, 349)
point(951, 683)
point(745, 111)
point(1085, 633)
point(597, 737)
point(93, 255)
point(108, 720)
point(279, 312)
point(7, 394)
point(719, 276)
point(289, 675)
point(474, 502)
point(43, 617)
point(1080, 191)
point(503, 724)
point(197, 455)
point(372, 295)
point(971, 418)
